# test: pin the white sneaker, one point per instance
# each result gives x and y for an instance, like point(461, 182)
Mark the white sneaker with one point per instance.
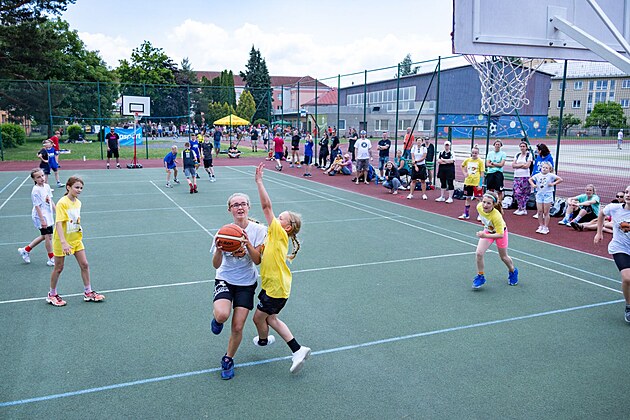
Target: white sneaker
point(410, 196)
point(213, 179)
point(424, 196)
point(51, 262)
point(518, 213)
point(539, 230)
point(544, 230)
point(270, 340)
point(26, 256)
point(536, 215)
point(478, 218)
point(168, 185)
point(440, 199)
point(464, 217)
point(298, 359)
point(449, 200)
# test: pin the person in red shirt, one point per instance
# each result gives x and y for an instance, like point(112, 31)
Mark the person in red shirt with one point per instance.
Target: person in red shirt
point(278, 150)
point(408, 144)
point(55, 141)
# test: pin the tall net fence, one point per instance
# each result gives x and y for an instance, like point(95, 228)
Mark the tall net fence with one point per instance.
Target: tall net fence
point(384, 100)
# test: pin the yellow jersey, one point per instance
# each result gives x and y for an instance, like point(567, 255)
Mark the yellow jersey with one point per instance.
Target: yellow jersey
point(274, 272)
point(69, 214)
point(493, 222)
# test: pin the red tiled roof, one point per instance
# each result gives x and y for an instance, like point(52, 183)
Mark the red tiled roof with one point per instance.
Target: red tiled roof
point(327, 98)
point(276, 81)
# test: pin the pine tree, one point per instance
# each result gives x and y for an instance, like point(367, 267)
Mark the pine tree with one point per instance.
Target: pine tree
point(258, 83)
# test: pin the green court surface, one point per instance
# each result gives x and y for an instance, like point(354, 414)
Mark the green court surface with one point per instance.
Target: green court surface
point(381, 293)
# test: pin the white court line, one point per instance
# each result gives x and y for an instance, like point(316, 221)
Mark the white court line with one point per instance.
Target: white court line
point(314, 353)
point(131, 235)
point(184, 211)
point(14, 192)
point(355, 205)
point(7, 186)
point(306, 270)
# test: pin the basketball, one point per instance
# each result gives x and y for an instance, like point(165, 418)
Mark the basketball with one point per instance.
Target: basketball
point(230, 237)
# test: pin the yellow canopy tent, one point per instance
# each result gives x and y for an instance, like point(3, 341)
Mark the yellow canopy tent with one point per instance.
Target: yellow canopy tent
point(231, 120)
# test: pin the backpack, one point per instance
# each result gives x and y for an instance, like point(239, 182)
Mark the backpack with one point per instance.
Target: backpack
point(371, 173)
point(558, 207)
point(458, 194)
point(507, 202)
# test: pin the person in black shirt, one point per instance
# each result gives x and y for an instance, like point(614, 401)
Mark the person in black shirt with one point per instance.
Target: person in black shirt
point(206, 155)
point(113, 143)
point(295, 149)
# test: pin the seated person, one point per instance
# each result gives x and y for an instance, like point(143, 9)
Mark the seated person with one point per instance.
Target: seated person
point(392, 178)
point(341, 164)
point(592, 225)
point(582, 208)
point(233, 152)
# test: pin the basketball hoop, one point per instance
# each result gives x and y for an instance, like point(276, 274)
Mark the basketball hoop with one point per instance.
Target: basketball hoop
point(136, 116)
point(503, 82)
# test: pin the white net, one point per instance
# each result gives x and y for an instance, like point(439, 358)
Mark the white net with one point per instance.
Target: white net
point(503, 82)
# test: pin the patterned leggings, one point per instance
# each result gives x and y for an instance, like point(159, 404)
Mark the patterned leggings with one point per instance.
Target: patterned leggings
point(522, 190)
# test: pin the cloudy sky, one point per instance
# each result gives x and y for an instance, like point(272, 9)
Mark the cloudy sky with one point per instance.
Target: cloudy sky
point(318, 38)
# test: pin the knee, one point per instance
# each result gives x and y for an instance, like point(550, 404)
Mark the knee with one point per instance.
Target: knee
point(221, 315)
point(479, 255)
point(84, 266)
point(625, 279)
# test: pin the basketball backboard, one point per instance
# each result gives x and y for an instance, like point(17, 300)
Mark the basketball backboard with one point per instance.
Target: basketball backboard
point(132, 105)
point(594, 30)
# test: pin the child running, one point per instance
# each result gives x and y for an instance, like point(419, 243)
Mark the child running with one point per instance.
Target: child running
point(190, 162)
point(68, 240)
point(495, 230)
point(276, 277)
point(52, 160)
point(42, 214)
point(170, 163)
point(544, 181)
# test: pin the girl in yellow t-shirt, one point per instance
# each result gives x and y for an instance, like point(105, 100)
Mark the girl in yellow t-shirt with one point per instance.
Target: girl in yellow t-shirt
point(276, 277)
point(68, 240)
point(495, 230)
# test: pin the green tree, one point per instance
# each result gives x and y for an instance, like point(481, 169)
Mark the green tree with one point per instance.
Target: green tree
point(604, 115)
point(13, 12)
point(568, 121)
point(405, 67)
point(258, 82)
point(246, 106)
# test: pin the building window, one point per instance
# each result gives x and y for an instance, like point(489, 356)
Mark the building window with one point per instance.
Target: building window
point(590, 85)
point(577, 103)
point(560, 86)
point(612, 85)
point(342, 124)
point(625, 84)
point(577, 85)
point(560, 104)
point(601, 85)
point(381, 125)
point(403, 124)
point(548, 104)
point(611, 96)
point(625, 103)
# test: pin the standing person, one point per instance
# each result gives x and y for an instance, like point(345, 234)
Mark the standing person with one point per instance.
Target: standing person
point(619, 139)
point(43, 159)
point(206, 155)
point(364, 156)
point(335, 149)
point(494, 230)
point(68, 240)
point(543, 154)
point(217, 141)
point(408, 144)
point(278, 150)
point(254, 139)
point(295, 149)
point(323, 151)
point(383, 147)
point(522, 189)
point(276, 278)
point(446, 173)
point(55, 141)
point(472, 168)
point(308, 155)
point(236, 279)
point(619, 246)
point(170, 163)
point(418, 168)
point(194, 146)
point(42, 215)
point(265, 136)
point(543, 182)
point(430, 160)
point(495, 160)
point(113, 144)
point(190, 162)
point(52, 161)
point(582, 207)
point(352, 140)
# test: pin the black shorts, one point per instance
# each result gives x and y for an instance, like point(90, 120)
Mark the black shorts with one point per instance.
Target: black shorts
point(308, 160)
point(622, 260)
point(48, 230)
point(494, 181)
point(270, 305)
point(295, 146)
point(469, 191)
point(113, 152)
point(207, 163)
point(420, 174)
point(240, 296)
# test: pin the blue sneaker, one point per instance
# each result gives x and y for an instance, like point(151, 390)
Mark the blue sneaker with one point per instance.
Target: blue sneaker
point(479, 281)
point(227, 364)
point(216, 327)
point(513, 277)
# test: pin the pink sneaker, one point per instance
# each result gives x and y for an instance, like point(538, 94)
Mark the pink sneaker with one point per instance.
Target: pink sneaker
point(93, 297)
point(55, 300)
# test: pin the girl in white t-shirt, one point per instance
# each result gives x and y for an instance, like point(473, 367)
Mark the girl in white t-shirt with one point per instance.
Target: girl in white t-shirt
point(619, 247)
point(544, 181)
point(42, 214)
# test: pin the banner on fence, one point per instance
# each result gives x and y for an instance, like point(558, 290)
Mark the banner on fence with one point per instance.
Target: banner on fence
point(125, 135)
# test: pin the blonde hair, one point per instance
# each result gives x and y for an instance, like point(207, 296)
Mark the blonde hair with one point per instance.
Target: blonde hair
point(245, 196)
point(545, 163)
point(591, 186)
point(34, 171)
point(295, 220)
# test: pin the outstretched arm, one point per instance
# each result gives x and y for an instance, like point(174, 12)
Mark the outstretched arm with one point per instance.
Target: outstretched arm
point(265, 202)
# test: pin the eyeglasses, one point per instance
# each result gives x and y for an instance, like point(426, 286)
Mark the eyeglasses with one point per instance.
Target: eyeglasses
point(620, 196)
point(238, 205)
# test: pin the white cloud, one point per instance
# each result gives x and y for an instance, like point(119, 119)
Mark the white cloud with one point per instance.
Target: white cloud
point(112, 49)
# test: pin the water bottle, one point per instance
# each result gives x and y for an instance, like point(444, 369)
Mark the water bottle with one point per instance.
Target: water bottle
point(83, 158)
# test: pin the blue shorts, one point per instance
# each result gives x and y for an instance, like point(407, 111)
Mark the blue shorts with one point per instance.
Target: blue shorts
point(278, 155)
point(544, 197)
point(170, 167)
point(382, 160)
point(190, 172)
point(217, 145)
